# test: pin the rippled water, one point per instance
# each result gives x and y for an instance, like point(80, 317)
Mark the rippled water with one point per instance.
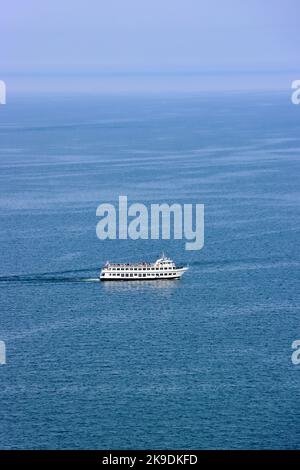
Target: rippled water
point(204, 362)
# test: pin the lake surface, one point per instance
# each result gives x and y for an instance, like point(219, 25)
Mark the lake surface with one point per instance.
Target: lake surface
point(204, 362)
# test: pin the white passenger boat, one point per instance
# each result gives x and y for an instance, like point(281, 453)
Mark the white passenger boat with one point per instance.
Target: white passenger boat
point(163, 268)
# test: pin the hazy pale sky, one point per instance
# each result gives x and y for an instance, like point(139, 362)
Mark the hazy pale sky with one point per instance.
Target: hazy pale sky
point(142, 45)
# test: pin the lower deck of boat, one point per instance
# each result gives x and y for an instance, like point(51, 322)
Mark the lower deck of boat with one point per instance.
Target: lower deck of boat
point(120, 279)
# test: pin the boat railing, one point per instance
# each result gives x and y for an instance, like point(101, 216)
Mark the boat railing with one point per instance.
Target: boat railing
point(121, 265)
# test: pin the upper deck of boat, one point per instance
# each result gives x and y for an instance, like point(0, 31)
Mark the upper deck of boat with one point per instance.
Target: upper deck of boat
point(129, 265)
point(161, 262)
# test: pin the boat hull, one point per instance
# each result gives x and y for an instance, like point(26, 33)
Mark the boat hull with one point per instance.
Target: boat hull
point(141, 279)
point(175, 276)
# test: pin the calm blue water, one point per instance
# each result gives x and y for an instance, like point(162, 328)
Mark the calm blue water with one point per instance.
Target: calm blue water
point(200, 363)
